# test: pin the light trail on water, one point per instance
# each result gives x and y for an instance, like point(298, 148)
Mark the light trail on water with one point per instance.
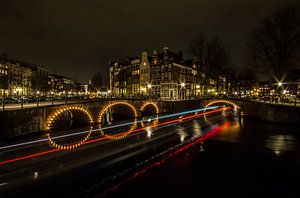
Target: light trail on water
point(104, 138)
point(164, 156)
point(108, 127)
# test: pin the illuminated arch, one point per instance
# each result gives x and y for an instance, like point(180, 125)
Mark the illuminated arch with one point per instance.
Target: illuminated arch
point(52, 119)
point(134, 125)
point(224, 102)
point(155, 120)
point(150, 103)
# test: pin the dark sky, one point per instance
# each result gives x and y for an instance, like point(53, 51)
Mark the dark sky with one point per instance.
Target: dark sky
point(78, 37)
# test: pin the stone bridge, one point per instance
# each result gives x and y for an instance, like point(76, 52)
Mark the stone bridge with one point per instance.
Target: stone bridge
point(34, 120)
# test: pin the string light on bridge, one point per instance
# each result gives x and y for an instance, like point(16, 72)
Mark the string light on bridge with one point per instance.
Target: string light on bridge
point(106, 108)
point(155, 120)
point(225, 102)
point(53, 118)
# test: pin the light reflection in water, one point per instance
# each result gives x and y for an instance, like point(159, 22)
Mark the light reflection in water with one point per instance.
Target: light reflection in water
point(197, 128)
point(280, 143)
point(148, 131)
point(181, 132)
point(224, 112)
point(231, 133)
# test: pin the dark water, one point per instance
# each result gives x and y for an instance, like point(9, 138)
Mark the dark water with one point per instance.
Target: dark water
point(250, 159)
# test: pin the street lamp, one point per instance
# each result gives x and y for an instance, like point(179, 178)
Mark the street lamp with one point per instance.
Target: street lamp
point(52, 97)
point(279, 84)
point(197, 91)
point(284, 91)
point(149, 86)
point(108, 93)
point(182, 91)
point(38, 98)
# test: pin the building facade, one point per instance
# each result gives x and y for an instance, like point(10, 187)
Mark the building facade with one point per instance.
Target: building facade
point(15, 79)
point(163, 75)
point(20, 79)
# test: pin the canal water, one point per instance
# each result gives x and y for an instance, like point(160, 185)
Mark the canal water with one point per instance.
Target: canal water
point(250, 159)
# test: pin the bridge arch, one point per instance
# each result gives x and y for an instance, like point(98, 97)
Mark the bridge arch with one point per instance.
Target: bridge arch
point(223, 102)
point(106, 108)
point(153, 104)
point(154, 120)
point(54, 117)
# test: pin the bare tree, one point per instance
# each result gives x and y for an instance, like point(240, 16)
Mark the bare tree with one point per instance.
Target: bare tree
point(275, 45)
point(97, 81)
point(212, 55)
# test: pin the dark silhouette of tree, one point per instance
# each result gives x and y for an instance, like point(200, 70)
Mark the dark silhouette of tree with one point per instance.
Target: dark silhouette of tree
point(212, 55)
point(97, 81)
point(275, 45)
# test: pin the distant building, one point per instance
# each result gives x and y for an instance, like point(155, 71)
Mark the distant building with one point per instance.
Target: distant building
point(17, 79)
point(20, 79)
point(60, 84)
point(3, 79)
point(163, 75)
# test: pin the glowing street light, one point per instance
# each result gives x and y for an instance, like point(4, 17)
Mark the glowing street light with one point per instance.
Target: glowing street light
point(197, 86)
point(284, 91)
point(182, 84)
point(149, 86)
point(279, 84)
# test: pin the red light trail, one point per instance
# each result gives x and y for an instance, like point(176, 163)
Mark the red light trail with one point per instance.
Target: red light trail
point(104, 138)
point(171, 154)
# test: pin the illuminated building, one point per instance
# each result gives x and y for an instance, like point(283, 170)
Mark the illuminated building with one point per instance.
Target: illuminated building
point(21, 79)
point(17, 80)
point(163, 75)
point(3, 79)
point(60, 84)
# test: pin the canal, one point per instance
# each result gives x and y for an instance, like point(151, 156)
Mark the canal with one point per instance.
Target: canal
point(246, 158)
point(250, 159)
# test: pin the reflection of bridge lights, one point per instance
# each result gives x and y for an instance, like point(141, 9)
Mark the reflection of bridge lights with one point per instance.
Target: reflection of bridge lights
point(53, 117)
point(155, 120)
point(150, 103)
point(106, 108)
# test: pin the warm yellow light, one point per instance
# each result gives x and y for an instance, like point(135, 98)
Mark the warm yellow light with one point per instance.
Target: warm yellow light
point(222, 101)
point(134, 125)
point(150, 103)
point(52, 118)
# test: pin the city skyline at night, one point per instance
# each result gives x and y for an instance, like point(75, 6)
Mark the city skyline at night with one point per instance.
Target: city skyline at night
point(151, 98)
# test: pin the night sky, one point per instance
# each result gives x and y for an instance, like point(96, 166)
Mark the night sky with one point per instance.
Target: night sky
point(77, 38)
